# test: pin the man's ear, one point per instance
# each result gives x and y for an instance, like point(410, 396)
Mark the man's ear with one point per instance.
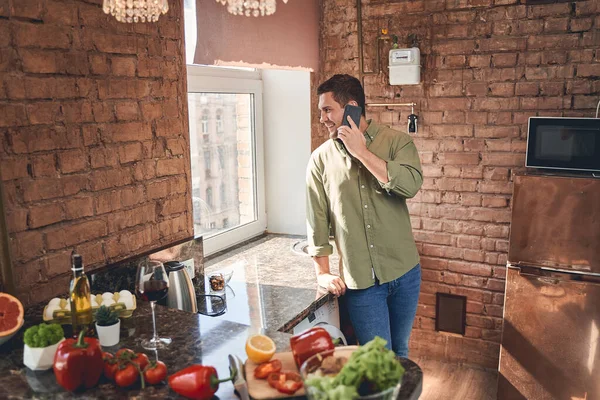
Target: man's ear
point(353, 103)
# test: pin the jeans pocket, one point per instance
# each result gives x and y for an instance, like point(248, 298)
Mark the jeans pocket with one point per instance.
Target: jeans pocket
point(409, 282)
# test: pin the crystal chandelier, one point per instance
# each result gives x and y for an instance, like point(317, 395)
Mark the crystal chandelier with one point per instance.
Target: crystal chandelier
point(136, 10)
point(249, 8)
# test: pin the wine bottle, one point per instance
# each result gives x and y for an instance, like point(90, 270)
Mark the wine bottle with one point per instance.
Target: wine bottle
point(80, 295)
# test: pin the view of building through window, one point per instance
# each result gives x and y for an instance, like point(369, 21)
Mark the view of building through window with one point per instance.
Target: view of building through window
point(221, 141)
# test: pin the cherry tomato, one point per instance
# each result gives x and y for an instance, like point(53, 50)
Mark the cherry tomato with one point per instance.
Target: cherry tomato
point(285, 382)
point(264, 369)
point(155, 372)
point(127, 375)
point(111, 365)
point(125, 350)
point(142, 360)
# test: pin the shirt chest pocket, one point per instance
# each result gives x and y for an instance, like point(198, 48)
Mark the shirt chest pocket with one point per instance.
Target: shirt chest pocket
point(340, 173)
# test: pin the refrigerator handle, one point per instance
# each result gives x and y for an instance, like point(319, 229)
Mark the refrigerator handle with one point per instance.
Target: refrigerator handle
point(554, 276)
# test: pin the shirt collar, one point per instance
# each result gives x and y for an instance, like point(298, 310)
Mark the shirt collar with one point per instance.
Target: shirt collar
point(372, 129)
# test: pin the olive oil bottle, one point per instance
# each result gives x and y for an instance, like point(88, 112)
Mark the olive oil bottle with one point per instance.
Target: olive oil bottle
point(80, 295)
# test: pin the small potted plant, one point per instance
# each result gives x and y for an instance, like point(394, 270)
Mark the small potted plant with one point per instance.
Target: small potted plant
point(108, 326)
point(41, 342)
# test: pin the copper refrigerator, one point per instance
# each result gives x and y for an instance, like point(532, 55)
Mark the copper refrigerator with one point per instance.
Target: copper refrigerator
point(550, 341)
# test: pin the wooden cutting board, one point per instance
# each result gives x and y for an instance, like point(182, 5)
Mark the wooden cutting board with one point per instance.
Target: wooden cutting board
point(259, 389)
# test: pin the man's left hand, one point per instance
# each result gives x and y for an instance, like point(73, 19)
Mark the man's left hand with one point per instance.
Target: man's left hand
point(353, 138)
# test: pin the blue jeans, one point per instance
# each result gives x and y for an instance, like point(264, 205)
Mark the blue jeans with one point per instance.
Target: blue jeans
point(386, 310)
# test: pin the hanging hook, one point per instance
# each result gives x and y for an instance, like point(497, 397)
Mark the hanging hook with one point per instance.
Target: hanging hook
point(412, 120)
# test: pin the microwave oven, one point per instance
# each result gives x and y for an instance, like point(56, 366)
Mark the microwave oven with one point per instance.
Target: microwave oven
point(571, 144)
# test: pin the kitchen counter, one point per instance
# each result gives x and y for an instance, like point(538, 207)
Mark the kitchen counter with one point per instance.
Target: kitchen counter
point(196, 339)
point(272, 286)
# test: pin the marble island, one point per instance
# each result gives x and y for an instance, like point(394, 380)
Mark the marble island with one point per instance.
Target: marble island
point(270, 291)
point(197, 339)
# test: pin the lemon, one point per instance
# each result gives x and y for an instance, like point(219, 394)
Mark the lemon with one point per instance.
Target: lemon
point(260, 348)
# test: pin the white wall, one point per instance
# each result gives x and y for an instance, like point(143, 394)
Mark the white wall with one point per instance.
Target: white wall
point(286, 121)
point(191, 29)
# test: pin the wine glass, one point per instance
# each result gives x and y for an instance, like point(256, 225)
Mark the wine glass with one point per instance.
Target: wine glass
point(152, 284)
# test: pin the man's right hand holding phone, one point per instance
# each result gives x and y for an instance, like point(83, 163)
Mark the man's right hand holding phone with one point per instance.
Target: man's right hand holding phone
point(353, 139)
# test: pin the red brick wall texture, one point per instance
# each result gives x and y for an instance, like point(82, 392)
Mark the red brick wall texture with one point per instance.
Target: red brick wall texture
point(94, 137)
point(488, 65)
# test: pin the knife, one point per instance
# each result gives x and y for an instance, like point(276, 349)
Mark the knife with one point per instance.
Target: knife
point(239, 382)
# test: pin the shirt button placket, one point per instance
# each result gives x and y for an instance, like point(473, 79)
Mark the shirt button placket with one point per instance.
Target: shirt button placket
point(363, 197)
point(368, 231)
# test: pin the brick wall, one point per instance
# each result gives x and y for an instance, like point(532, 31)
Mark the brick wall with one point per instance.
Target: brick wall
point(487, 66)
point(94, 145)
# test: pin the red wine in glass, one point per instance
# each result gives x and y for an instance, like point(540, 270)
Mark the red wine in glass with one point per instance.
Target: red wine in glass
point(153, 290)
point(152, 284)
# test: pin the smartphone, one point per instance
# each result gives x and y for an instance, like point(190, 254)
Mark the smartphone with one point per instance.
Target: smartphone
point(355, 113)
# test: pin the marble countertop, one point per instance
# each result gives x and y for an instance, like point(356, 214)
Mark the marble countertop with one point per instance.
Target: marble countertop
point(271, 287)
point(197, 339)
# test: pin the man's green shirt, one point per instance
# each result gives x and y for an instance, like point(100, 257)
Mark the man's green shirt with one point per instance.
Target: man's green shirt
point(369, 219)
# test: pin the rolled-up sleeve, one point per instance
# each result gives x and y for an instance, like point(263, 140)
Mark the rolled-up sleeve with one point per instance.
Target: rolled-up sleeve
point(317, 212)
point(405, 175)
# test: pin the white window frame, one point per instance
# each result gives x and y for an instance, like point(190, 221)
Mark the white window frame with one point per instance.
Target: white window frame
point(205, 79)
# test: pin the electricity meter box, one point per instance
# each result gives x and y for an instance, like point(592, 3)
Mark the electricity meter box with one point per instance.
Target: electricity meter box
point(405, 66)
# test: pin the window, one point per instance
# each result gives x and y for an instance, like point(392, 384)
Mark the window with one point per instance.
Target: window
point(205, 121)
point(219, 121)
point(235, 98)
point(207, 162)
point(223, 196)
point(209, 197)
point(221, 152)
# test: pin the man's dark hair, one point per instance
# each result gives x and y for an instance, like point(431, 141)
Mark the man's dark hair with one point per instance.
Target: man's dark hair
point(344, 89)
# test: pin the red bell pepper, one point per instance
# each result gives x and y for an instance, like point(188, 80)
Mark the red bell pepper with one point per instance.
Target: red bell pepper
point(78, 363)
point(310, 342)
point(197, 382)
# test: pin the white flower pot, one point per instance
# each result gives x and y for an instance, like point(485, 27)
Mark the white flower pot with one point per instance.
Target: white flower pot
point(109, 335)
point(40, 358)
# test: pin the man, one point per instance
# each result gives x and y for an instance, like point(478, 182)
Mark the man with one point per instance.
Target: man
point(359, 190)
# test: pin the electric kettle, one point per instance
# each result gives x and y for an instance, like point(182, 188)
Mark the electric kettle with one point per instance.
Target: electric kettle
point(181, 293)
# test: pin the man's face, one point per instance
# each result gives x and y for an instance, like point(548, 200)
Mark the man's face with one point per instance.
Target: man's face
point(331, 113)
